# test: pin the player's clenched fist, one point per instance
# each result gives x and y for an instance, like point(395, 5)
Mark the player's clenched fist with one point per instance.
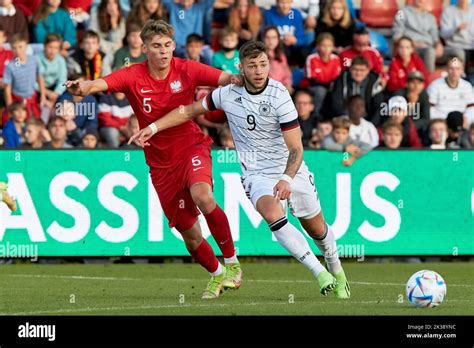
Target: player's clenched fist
point(141, 138)
point(282, 190)
point(74, 87)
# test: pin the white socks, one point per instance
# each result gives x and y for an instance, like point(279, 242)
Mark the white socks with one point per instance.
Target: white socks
point(218, 271)
point(327, 245)
point(231, 260)
point(293, 240)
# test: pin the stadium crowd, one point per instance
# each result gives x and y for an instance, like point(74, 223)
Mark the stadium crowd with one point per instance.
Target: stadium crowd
point(357, 84)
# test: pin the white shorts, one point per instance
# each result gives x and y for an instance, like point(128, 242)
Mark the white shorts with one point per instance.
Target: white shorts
point(303, 202)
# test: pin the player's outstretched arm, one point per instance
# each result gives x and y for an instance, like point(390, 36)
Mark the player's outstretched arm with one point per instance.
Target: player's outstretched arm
point(282, 189)
point(174, 118)
point(85, 88)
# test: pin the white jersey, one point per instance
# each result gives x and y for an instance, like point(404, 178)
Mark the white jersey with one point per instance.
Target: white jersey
point(256, 121)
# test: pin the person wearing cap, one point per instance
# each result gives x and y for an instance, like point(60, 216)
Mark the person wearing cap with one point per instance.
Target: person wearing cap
point(404, 62)
point(397, 113)
point(455, 129)
point(452, 93)
point(418, 101)
point(90, 140)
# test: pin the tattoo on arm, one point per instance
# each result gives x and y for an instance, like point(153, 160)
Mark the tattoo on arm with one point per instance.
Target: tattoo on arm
point(295, 158)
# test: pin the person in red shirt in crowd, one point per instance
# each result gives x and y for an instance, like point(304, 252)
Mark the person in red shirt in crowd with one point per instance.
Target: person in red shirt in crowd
point(180, 159)
point(5, 57)
point(361, 47)
point(28, 7)
point(398, 112)
point(405, 61)
point(322, 68)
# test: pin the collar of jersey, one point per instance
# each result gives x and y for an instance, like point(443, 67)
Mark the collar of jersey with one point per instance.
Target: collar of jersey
point(260, 91)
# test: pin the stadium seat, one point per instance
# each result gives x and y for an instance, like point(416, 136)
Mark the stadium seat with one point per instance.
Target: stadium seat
point(378, 13)
point(435, 6)
point(379, 42)
point(352, 9)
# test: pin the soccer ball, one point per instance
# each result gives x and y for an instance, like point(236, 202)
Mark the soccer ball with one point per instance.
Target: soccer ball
point(426, 289)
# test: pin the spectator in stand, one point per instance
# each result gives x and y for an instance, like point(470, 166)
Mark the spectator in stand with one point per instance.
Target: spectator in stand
point(279, 68)
point(291, 28)
point(467, 138)
point(21, 75)
point(90, 140)
point(457, 28)
point(246, 19)
point(419, 25)
point(194, 46)
point(85, 109)
point(89, 60)
point(132, 128)
point(28, 7)
point(398, 112)
point(12, 20)
point(57, 130)
point(109, 23)
point(80, 9)
point(51, 19)
point(361, 129)
point(392, 135)
point(405, 61)
point(67, 110)
point(418, 101)
point(132, 52)
point(336, 20)
point(143, 10)
point(438, 134)
point(114, 112)
point(452, 93)
point(5, 57)
point(322, 68)
point(14, 130)
point(54, 69)
point(225, 137)
point(361, 47)
point(339, 140)
point(187, 17)
point(323, 129)
point(227, 59)
point(35, 134)
point(359, 80)
point(306, 116)
point(456, 133)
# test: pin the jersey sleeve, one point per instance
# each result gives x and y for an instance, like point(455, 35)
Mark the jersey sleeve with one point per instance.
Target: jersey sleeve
point(203, 75)
point(213, 101)
point(119, 80)
point(286, 112)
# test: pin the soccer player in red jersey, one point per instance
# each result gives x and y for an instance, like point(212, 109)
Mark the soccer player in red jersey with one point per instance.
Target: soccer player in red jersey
point(179, 160)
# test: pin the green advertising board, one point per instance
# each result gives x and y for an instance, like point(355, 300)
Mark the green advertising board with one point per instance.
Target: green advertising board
point(102, 203)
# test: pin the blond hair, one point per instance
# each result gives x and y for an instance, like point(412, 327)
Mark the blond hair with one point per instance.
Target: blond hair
point(156, 27)
point(345, 22)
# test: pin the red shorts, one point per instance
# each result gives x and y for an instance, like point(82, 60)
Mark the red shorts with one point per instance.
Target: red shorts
point(173, 186)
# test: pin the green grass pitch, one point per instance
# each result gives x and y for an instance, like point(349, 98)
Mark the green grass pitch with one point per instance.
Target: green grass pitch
point(174, 289)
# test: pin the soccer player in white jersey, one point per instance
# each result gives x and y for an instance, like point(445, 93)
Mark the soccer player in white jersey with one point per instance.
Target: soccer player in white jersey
point(264, 124)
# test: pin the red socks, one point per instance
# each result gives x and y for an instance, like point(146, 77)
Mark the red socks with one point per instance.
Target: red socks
point(220, 230)
point(204, 255)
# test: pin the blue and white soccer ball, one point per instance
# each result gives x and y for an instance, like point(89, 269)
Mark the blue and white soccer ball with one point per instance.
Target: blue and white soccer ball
point(426, 289)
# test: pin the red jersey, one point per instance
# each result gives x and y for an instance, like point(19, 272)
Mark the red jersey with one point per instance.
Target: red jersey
point(398, 73)
point(323, 72)
point(5, 57)
point(151, 99)
point(371, 54)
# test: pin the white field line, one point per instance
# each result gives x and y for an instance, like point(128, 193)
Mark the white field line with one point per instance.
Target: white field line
point(202, 279)
point(214, 305)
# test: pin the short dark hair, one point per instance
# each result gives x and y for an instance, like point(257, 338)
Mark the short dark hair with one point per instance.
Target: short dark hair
point(194, 38)
point(53, 119)
point(156, 27)
point(18, 37)
point(52, 38)
point(390, 124)
point(133, 27)
point(341, 122)
point(304, 91)
point(359, 60)
point(252, 49)
point(16, 106)
point(361, 31)
point(354, 98)
point(453, 59)
point(91, 34)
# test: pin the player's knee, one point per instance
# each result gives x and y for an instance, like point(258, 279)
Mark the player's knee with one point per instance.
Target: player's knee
point(271, 216)
point(205, 202)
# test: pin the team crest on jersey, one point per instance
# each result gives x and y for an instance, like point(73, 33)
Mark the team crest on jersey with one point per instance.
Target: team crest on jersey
point(264, 109)
point(176, 86)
